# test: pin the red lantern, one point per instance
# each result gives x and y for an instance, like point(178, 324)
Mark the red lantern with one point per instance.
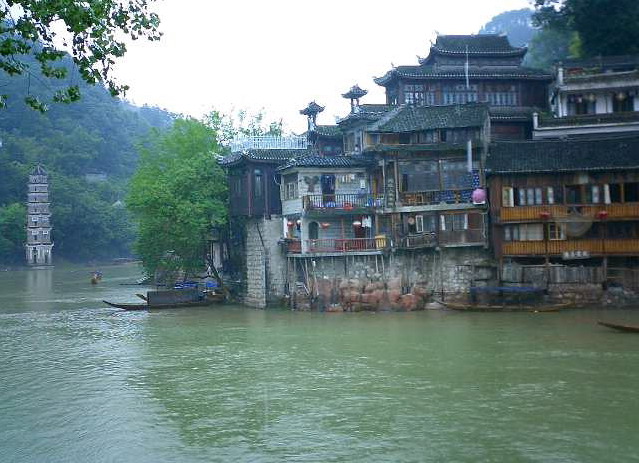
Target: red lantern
point(325, 225)
point(544, 215)
point(602, 215)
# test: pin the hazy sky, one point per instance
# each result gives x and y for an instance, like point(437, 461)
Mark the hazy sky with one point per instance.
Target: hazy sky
point(281, 54)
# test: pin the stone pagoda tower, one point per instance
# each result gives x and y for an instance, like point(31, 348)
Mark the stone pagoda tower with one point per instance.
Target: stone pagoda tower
point(39, 244)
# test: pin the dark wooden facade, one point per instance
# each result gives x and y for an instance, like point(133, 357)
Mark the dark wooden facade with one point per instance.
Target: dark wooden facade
point(253, 189)
point(565, 202)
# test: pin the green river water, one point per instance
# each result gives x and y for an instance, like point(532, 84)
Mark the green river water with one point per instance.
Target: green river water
point(80, 382)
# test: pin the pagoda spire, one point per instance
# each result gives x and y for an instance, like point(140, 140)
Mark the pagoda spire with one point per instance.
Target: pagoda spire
point(354, 94)
point(311, 111)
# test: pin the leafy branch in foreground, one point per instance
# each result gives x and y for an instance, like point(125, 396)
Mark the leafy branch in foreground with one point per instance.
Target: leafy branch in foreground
point(93, 32)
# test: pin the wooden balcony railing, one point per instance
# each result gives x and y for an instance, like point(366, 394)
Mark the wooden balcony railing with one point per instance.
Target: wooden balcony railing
point(418, 241)
point(342, 202)
point(592, 246)
point(460, 237)
point(423, 198)
point(557, 211)
point(338, 245)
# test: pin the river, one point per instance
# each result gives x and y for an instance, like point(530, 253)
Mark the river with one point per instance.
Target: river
point(80, 382)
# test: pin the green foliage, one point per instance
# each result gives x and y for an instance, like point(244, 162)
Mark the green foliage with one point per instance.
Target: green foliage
point(229, 126)
point(95, 135)
point(94, 32)
point(603, 27)
point(549, 46)
point(178, 194)
point(12, 232)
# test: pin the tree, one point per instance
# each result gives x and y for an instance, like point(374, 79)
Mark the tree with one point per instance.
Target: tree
point(94, 33)
point(548, 47)
point(177, 195)
point(604, 27)
point(12, 232)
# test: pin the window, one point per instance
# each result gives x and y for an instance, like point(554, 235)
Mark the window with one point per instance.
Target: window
point(615, 192)
point(404, 138)
point(580, 104)
point(419, 223)
point(550, 195)
point(501, 95)
point(459, 94)
point(258, 187)
point(507, 197)
point(451, 222)
point(574, 194)
point(631, 192)
point(556, 231)
point(313, 231)
point(622, 102)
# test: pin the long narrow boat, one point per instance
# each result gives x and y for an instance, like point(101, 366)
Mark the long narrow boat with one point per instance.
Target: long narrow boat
point(620, 327)
point(468, 307)
point(170, 300)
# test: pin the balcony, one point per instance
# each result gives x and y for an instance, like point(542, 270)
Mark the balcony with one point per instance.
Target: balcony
point(425, 198)
point(473, 237)
point(588, 119)
point(426, 240)
point(554, 248)
point(352, 203)
point(340, 246)
point(534, 213)
point(268, 142)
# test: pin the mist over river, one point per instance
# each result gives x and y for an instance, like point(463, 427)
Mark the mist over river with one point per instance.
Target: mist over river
point(81, 382)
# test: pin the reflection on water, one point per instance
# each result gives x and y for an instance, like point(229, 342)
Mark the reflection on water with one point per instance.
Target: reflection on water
point(82, 382)
point(39, 289)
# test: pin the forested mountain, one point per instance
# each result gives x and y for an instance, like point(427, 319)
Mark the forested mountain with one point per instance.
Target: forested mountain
point(517, 24)
point(96, 135)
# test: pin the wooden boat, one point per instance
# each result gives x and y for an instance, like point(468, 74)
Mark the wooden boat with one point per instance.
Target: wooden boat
point(468, 307)
point(171, 299)
point(96, 277)
point(620, 327)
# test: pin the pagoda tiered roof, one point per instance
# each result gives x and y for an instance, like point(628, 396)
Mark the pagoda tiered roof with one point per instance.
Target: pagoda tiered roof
point(475, 45)
point(355, 92)
point(312, 109)
point(427, 72)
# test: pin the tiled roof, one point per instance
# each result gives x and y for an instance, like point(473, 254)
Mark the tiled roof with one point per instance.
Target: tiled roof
point(413, 118)
point(312, 108)
point(512, 113)
point(355, 92)
point(563, 155)
point(476, 44)
point(328, 131)
point(458, 72)
point(38, 170)
point(274, 156)
point(367, 112)
point(327, 161)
